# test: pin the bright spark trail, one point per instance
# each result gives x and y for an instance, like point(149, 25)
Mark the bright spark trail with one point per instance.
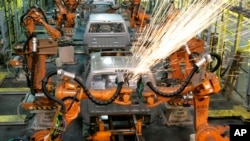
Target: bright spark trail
point(170, 29)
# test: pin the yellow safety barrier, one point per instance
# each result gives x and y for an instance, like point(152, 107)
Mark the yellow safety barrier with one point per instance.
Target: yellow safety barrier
point(237, 111)
point(8, 90)
point(12, 119)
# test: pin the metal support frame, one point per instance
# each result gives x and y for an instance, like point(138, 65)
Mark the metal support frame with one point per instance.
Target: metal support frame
point(247, 98)
point(109, 131)
point(233, 75)
point(230, 45)
point(233, 42)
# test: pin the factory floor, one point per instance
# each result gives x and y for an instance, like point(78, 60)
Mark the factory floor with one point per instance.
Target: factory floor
point(12, 91)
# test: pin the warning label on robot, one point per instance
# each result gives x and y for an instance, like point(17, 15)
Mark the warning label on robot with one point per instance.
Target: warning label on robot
point(239, 132)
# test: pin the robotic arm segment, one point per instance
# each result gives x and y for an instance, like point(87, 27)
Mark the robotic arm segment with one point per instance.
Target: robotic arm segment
point(71, 5)
point(138, 16)
point(202, 82)
point(47, 93)
point(31, 18)
point(61, 8)
point(62, 73)
point(101, 102)
point(205, 59)
point(179, 90)
point(35, 53)
point(68, 95)
point(53, 32)
point(36, 16)
point(202, 61)
point(66, 15)
point(100, 97)
point(113, 8)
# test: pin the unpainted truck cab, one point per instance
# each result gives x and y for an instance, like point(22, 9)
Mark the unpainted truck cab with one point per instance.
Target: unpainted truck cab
point(106, 31)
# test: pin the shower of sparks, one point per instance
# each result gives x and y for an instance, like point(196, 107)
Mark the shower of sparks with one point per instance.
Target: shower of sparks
point(170, 29)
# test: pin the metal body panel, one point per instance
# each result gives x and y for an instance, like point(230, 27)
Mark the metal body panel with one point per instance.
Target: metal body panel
point(104, 70)
point(105, 17)
point(98, 6)
point(106, 31)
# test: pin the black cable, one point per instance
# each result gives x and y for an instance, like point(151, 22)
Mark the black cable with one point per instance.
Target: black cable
point(113, 8)
point(37, 9)
point(41, 11)
point(73, 99)
point(26, 44)
point(32, 73)
point(99, 102)
point(25, 14)
point(22, 17)
point(44, 88)
point(125, 4)
point(24, 60)
point(218, 58)
point(177, 92)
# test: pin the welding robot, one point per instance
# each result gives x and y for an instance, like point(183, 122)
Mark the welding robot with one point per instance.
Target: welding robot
point(33, 55)
point(35, 51)
point(66, 102)
point(137, 14)
point(69, 89)
point(196, 80)
point(66, 14)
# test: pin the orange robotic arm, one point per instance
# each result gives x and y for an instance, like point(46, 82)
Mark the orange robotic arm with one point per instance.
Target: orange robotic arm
point(66, 15)
point(202, 84)
point(61, 16)
point(205, 131)
point(36, 51)
point(36, 16)
point(71, 5)
point(138, 16)
point(68, 95)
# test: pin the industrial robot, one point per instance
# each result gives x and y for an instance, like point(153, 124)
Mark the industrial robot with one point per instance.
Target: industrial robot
point(190, 70)
point(195, 80)
point(66, 15)
point(137, 14)
point(35, 51)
